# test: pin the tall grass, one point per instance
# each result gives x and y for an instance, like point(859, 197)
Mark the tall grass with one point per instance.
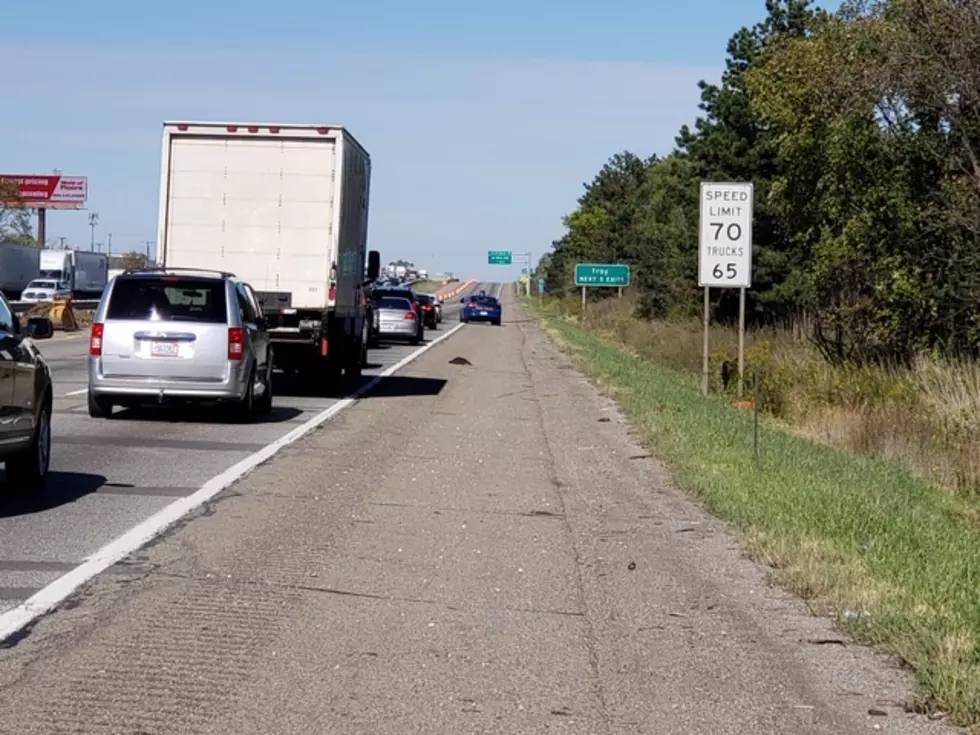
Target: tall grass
point(926, 416)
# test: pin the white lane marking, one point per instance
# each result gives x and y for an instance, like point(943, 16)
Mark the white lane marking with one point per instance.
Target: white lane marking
point(74, 393)
point(57, 591)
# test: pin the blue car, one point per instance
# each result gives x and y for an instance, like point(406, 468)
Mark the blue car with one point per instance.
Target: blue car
point(480, 308)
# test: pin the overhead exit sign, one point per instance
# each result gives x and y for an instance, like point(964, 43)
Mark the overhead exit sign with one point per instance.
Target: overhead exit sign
point(602, 274)
point(500, 257)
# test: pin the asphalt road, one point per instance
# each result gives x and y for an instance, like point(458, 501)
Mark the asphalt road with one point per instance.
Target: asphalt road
point(494, 554)
point(108, 476)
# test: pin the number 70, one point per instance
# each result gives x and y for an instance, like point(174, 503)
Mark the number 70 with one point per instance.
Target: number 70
point(732, 232)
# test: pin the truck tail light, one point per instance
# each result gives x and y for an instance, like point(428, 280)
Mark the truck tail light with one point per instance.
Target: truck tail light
point(236, 343)
point(332, 294)
point(95, 339)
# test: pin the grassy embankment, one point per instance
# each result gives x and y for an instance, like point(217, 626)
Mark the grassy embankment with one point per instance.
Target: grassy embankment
point(867, 497)
point(428, 286)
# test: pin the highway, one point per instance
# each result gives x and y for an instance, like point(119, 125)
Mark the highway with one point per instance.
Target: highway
point(107, 476)
point(480, 547)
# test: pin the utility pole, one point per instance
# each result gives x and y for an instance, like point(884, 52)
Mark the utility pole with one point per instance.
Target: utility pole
point(109, 243)
point(93, 220)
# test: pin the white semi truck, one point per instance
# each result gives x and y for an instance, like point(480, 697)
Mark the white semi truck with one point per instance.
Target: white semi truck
point(83, 274)
point(285, 208)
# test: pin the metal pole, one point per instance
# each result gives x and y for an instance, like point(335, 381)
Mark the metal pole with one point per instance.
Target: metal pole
point(620, 292)
point(42, 226)
point(704, 357)
point(741, 341)
point(755, 409)
point(583, 301)
point(109, 243)
point(528, 284)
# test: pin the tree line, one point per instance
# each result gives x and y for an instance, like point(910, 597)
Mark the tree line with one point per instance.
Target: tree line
point(861, 132)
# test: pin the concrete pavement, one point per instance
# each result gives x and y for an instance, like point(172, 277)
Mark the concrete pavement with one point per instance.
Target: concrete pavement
point(486, 552)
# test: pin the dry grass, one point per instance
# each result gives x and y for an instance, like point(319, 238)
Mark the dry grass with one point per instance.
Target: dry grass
point(926, 417)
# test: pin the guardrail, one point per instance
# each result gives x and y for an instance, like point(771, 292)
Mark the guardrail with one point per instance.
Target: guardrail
point(81, 304)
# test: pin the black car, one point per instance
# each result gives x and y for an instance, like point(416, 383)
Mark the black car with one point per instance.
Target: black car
point(25, 387)
point(429, 315)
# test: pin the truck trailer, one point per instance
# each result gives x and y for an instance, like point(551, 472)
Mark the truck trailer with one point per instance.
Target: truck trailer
point(85, 274)
point(19, 265)
point(285, 208)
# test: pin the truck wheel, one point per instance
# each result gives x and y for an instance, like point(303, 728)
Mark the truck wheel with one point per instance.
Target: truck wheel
point(355, 361)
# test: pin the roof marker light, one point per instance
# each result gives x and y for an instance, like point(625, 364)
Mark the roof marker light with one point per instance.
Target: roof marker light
point(253, 128)
point(323, 131)
point(232, 128)
point(182, 127)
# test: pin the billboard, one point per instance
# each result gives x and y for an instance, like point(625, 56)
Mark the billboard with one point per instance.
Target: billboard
point(51, 191)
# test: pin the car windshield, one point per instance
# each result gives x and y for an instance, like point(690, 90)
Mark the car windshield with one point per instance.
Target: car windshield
point(168, 299)
point(425, 298)
point(485, 300)
point(395, 302)
point(42, 284)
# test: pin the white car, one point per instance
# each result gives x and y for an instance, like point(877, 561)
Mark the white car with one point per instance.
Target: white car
point(43, 289)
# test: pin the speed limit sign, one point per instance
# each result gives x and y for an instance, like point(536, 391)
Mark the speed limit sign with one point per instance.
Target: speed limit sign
point(725, 246)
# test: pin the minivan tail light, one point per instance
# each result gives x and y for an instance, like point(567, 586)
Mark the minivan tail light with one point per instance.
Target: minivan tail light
point(236, 343)
point(95, 340)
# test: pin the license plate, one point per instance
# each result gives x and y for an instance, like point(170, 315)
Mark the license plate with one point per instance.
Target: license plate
point(163, 349)
point(483, 313)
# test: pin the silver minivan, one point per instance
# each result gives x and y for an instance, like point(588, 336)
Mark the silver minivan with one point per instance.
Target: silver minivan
point(179, 335)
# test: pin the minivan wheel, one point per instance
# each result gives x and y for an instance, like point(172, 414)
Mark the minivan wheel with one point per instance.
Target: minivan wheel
point(99, 408)
point(244, 409)
point(28, 470)
point(263, 406)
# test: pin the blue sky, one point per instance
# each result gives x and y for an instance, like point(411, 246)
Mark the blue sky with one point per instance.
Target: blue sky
point(482, 120)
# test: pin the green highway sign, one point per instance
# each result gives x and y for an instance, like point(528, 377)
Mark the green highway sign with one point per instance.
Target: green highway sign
point(500, 257)
point(602, 274)
point(524, 272)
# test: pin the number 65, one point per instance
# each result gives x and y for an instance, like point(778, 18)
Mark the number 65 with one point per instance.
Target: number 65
point(730, 271)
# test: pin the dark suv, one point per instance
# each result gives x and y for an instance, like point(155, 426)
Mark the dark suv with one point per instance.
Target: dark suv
point(27, 395)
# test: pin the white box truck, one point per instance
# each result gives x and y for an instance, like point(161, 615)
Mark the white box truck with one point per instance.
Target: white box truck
point(85, 274)
point(285, 208)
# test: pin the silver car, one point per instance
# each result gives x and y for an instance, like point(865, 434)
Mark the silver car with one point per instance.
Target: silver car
point(397, 319)
point(175, 334)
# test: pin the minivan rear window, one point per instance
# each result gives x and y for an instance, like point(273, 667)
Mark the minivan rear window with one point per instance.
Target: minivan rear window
point(168, 299)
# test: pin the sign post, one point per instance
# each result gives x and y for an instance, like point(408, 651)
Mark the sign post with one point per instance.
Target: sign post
point(725, 255)
point(610, 275)
point(540, 291)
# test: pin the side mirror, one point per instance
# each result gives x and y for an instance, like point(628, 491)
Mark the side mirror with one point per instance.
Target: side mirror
point(374, 265)
point(40, 327)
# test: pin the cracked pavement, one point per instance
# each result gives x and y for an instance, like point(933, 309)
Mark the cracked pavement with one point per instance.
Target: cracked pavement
point(474, 548)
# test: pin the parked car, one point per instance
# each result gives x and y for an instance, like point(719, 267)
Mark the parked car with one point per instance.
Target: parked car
point(398, 319)
point(164, 335)
point(26, 397)
point(429, 316)
point(480, 308)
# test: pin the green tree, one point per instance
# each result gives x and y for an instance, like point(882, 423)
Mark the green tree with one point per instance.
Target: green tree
point(15, 218)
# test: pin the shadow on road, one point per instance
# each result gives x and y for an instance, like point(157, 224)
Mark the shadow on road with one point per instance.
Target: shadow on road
point(62, 488)
point(395, 386)
point(201, 414)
